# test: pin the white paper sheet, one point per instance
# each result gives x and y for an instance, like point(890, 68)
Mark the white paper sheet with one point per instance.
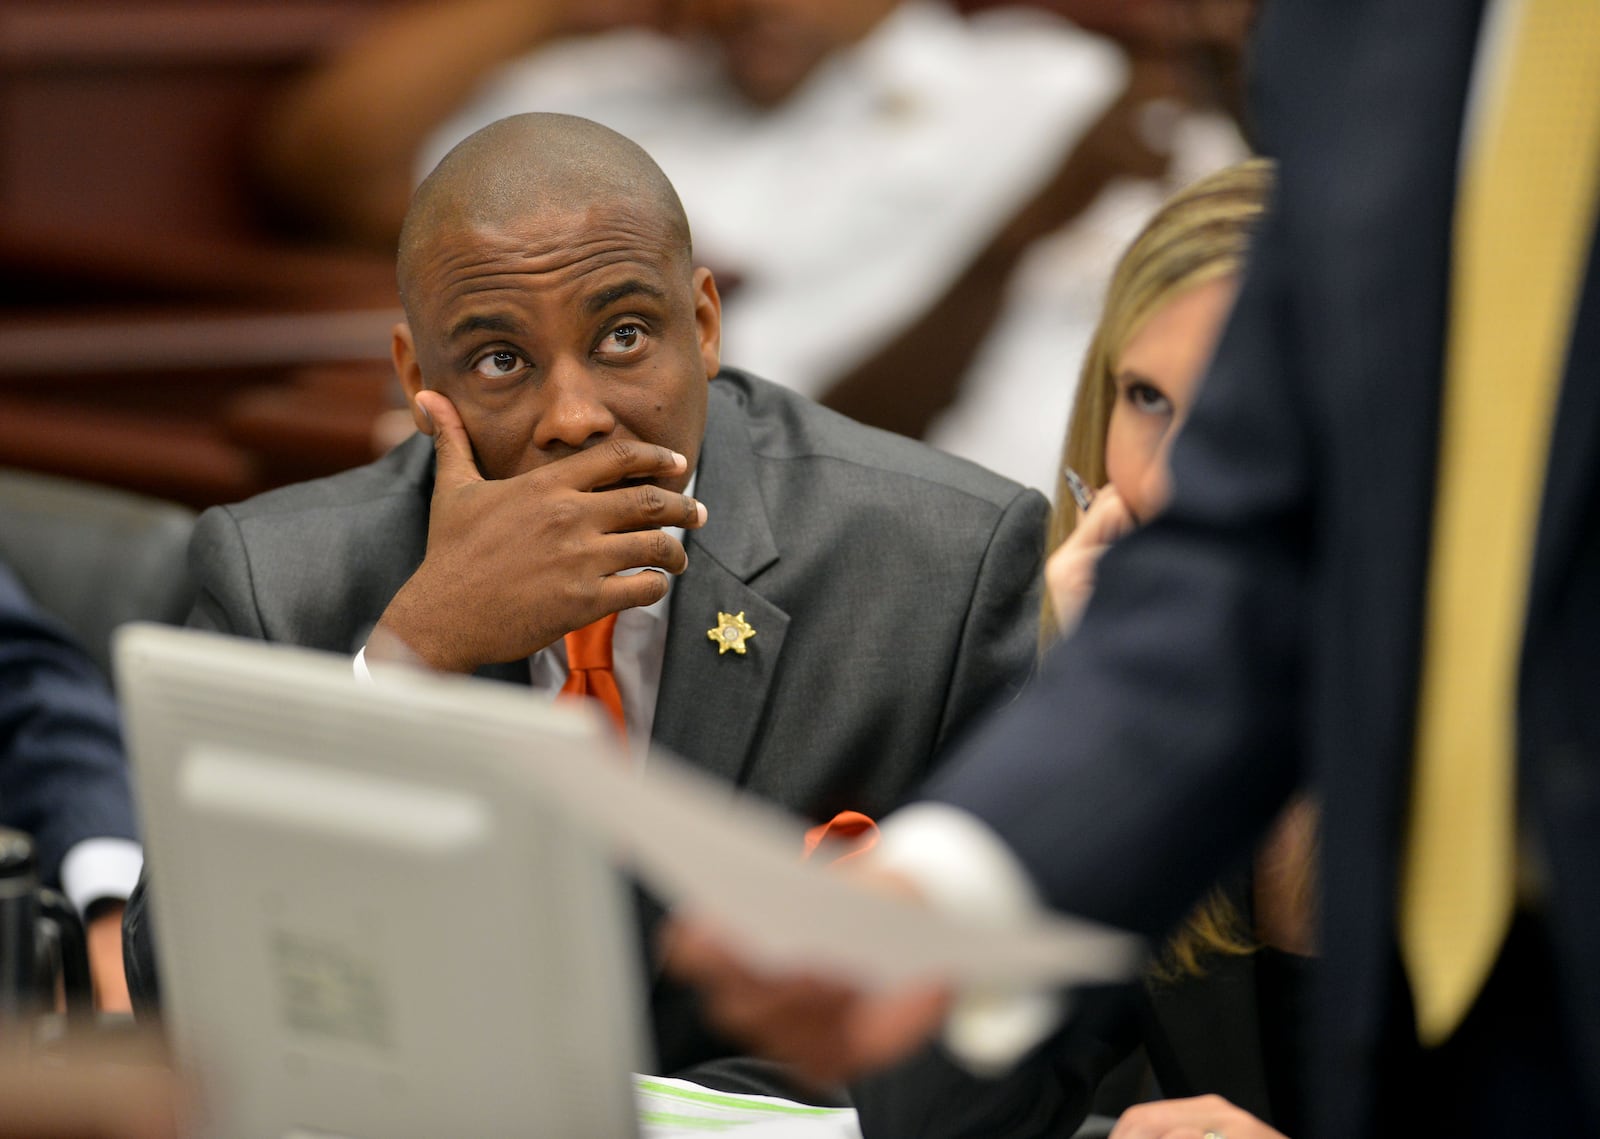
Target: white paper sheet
point(678, 1109)
point(736, 862)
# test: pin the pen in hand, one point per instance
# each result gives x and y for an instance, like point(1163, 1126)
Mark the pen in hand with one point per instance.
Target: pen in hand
point(1081, 494)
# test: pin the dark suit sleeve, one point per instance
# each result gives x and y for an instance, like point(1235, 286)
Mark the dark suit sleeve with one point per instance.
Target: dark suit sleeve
point(1158, 741)
point(63, 775)
point(225, 601)
point(1001, 634)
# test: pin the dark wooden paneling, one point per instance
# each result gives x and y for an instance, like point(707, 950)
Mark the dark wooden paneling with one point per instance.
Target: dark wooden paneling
point(159, 333)
point(139, 114)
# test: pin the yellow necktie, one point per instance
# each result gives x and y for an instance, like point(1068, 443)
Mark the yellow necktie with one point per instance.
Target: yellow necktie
point(1523, 230)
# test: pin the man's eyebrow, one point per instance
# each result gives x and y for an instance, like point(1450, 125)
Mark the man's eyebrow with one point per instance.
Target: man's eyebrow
point(490, 322)
point(605, 298)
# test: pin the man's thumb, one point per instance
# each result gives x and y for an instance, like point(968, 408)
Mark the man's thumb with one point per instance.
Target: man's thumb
point(452, 450)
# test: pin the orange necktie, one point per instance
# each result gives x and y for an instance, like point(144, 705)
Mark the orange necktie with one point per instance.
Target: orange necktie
point(589, 667)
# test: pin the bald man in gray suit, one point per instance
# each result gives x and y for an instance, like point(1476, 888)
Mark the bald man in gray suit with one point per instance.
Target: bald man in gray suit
point(562, 351)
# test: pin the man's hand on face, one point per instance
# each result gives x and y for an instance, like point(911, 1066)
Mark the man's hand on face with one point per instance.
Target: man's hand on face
point(514, 564)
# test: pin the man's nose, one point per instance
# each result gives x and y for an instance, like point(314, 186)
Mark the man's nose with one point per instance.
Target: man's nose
point(575, 411)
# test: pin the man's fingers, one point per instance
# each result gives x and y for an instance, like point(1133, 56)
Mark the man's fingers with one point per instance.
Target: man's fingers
point(612, 462)
point(642, 509)
point(891, 1027)
point(1190, 1119)
point(632, 591)
point(695, 952)
point(827, 1030)
point(645, 548)
point(800, 1020)
point(453, 462)
point(645, 507)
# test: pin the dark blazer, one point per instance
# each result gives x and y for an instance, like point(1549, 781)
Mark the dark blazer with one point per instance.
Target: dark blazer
point(1203, 1036)
point(892, 589)
point(63, 777)
point(1267, 628)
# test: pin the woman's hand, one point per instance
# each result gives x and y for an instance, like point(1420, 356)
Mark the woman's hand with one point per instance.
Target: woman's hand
point(1069, 573)
point(1203, 1117)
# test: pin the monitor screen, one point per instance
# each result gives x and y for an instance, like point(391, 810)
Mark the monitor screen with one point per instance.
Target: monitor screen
point(366, 925)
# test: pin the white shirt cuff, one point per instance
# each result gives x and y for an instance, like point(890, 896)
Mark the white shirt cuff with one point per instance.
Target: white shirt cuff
point(363, 673)
point(963, 868)
point(99, 868)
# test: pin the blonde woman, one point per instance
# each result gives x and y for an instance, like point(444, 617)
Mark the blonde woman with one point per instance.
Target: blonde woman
point(1233, 971)
point(1218, 1013)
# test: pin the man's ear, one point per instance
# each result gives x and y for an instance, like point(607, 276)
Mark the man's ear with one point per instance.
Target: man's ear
point(404, 351)
point(708, 319)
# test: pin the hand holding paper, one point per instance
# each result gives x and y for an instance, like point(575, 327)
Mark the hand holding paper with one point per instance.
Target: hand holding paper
point(735, 864)
point(848, 972)
point(827, 1031)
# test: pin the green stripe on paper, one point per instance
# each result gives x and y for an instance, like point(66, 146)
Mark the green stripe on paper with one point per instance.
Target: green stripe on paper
point(740, 1103)
point(686, 1122)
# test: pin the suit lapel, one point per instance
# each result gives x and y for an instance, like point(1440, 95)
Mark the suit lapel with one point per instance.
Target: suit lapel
point(711, 703)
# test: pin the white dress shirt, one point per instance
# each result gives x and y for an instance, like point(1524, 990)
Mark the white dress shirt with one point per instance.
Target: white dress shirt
point(100, 869)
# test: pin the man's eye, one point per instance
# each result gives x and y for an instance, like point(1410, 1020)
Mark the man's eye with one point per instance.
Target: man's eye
point(493, 365)
point(621, 339)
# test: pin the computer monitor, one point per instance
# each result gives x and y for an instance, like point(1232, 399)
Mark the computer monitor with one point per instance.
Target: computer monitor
point(366, 925)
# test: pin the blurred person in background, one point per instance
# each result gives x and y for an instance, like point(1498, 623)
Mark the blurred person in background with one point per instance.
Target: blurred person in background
point(865, 176)
point(64, 777)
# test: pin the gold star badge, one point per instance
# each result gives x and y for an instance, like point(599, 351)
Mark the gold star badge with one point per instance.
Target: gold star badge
point(732, 632)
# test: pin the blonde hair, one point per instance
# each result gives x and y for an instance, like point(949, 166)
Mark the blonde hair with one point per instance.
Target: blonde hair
point(1200, 234)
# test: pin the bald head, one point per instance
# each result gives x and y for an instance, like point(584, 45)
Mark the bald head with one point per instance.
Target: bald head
point(528, 165)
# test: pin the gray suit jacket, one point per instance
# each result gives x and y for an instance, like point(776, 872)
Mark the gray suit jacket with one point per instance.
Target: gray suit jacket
point(892, 587)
